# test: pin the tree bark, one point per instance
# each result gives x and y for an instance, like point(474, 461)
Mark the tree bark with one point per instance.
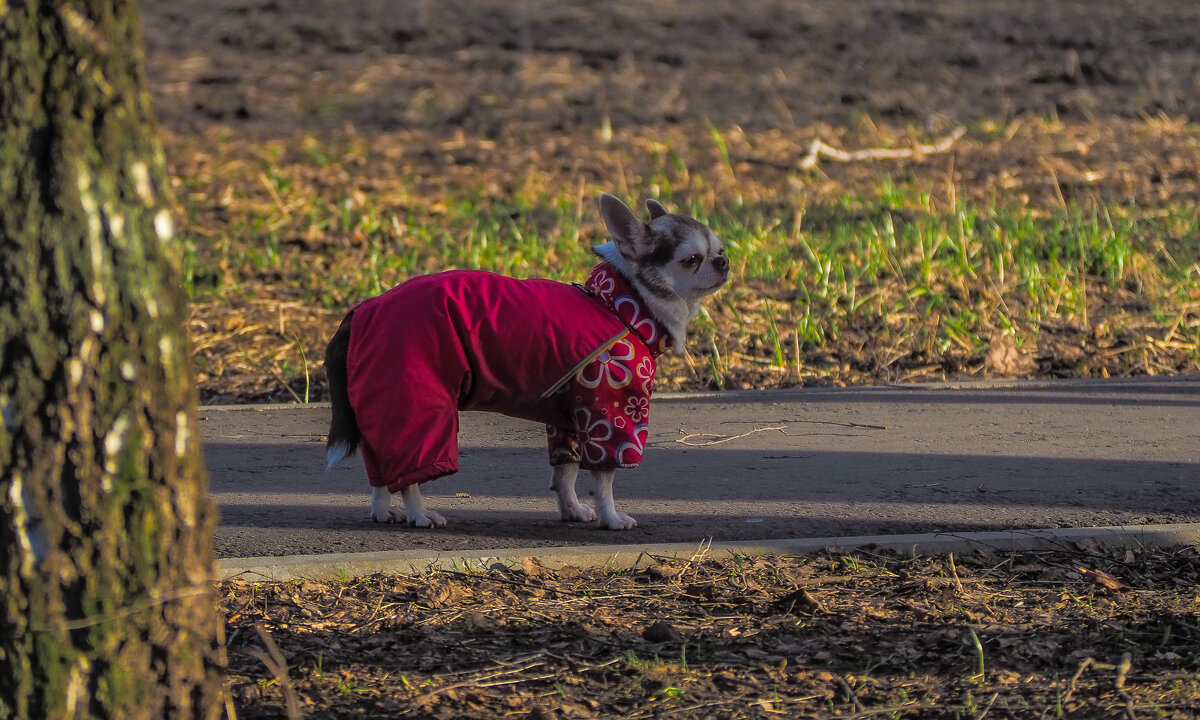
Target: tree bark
point(106, 604)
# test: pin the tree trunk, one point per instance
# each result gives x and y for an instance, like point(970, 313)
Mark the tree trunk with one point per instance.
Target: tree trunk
point(106, 606)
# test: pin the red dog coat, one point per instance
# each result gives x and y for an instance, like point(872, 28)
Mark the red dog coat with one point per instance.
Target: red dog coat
point(580, 360)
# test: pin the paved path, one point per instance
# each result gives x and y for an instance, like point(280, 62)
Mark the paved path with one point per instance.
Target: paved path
point(778, 464)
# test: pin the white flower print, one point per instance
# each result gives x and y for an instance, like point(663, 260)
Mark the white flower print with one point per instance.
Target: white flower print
point(631, 310)
point(638, 408)
point(592, 435)
point(630, 453)
point(610, 367)
point(645, 370)
point(602, 283)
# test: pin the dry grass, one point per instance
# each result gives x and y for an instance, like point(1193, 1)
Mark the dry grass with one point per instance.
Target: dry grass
point(892, 283)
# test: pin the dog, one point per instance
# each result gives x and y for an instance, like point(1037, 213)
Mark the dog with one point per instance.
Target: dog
point(578, 358)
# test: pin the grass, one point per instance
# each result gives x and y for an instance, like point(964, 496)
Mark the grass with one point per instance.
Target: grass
point(890, 283)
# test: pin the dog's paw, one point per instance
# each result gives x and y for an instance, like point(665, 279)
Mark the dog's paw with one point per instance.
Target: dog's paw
point(427, 519)
point(387, 515)
point(577, 512)
point(618, 521)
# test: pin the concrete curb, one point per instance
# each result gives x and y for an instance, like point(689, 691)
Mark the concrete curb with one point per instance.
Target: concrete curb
point(771, 394)
point(347, 566)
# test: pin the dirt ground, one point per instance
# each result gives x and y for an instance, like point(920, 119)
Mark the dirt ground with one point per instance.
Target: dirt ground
point(489, 89)
point(1064, 104)
point(1081, 633)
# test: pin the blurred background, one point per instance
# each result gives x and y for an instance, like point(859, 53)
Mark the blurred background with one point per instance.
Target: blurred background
point(1022, 203)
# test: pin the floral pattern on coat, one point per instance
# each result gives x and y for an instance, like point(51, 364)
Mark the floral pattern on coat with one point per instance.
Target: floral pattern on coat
point(611, 394)
point(611, 367)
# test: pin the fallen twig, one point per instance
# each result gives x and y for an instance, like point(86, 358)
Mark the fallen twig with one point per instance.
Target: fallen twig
point(261, 367)
point(954, 573)
point(277, 665)
point(850, 694)
point(476, 681)
point(818, 149)
point(686, 439)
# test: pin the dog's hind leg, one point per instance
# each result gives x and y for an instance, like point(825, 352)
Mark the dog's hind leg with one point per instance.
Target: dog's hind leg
point(415, 511)
point(610, 517)
point(563, 485)
point(381, 506)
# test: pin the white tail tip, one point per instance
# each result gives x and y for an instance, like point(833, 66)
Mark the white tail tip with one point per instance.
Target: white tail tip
point(335, 454)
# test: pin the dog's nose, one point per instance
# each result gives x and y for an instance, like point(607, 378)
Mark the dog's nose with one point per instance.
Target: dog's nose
point(721, 263)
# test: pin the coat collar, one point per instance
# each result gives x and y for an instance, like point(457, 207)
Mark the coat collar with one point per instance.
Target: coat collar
point(606, 284)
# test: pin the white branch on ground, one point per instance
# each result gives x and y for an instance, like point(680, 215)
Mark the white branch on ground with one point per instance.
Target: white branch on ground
point(818, 149)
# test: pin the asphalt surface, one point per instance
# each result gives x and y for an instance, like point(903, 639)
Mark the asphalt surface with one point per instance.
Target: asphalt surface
point(745, 467)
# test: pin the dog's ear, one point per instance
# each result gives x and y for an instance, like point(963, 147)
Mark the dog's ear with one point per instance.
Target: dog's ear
point(629, 233)
point(656, 209)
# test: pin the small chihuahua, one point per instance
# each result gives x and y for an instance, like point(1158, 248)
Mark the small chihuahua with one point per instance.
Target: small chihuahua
point(578, 358)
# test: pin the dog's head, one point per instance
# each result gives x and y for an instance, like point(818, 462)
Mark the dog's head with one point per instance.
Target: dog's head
point(673, 260)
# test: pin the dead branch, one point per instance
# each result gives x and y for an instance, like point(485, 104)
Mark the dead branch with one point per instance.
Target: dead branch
point(689, 439)
point(818, 149)
point(277, 665)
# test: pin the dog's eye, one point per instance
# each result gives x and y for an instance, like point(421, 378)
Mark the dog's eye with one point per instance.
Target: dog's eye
point(693, 261)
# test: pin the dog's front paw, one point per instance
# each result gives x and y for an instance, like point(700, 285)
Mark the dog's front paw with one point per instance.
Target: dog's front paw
point(577, 512)
point(617, 521)
point(426, 519)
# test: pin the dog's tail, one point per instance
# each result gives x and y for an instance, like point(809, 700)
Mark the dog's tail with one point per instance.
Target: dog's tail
point(344, 435)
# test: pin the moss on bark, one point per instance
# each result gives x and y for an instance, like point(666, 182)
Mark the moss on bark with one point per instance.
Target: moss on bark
point(105, 525)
